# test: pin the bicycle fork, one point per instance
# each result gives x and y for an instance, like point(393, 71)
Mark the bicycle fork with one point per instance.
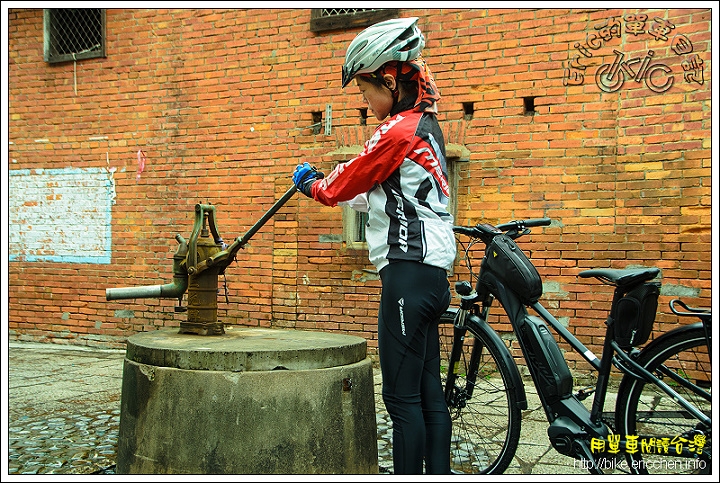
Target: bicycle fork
point(457, 397)
point(471, 315)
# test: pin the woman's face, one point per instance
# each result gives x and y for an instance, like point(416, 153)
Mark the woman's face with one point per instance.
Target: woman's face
point(378, 99)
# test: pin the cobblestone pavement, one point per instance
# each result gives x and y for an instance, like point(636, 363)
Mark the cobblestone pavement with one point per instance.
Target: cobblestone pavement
point(384, 429)
point(63, 409)
point(64, 416)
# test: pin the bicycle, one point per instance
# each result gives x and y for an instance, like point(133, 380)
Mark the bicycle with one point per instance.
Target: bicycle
point(661, 420)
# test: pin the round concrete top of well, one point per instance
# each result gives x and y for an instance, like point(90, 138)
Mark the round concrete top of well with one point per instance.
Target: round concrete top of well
point(246, 349)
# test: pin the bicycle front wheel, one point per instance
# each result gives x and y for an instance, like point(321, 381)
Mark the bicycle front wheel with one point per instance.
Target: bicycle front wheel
point(485, 413)
point(669, 439)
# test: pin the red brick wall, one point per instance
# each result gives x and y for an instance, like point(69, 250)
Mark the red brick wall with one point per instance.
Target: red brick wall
point(219, 102)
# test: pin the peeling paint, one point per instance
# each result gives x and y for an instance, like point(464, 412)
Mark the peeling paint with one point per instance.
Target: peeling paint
point(555, 288)
point(61, 215)
point(679, 291)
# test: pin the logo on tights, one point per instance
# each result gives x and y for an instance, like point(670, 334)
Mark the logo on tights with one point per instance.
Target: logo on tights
point(401, 302)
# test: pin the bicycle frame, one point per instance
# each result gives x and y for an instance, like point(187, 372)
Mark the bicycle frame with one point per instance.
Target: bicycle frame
point(571, 424)
point(632, 368)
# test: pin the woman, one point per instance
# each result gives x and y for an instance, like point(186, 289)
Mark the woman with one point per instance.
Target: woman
point(400, 180)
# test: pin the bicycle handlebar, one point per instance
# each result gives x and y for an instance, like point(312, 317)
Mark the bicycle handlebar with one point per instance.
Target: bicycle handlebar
point(519, 224)
point(513, 229)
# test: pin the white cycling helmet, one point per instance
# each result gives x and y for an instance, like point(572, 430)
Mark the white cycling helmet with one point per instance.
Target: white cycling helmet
point(399, 39)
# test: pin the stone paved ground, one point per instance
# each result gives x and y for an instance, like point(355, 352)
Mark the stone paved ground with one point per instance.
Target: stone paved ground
point(63, 409)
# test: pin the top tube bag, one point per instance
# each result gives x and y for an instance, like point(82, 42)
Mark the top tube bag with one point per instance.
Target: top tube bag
point(513, 268)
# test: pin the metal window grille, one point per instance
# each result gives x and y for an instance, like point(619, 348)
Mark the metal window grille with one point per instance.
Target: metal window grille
point(322, 19)
point(354, 224)
point(327, 12)
point(361, 220)
point(74, 34)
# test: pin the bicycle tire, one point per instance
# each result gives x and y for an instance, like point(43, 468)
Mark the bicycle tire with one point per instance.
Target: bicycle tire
point(645, 411)
point(486, 426)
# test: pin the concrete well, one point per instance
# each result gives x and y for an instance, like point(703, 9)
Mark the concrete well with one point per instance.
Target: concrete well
point(251, 401)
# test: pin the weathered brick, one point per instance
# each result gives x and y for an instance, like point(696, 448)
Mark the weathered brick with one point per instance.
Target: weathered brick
point(220, 102)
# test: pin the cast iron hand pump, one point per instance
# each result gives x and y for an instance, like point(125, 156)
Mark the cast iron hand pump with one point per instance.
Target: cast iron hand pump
point(197, 263)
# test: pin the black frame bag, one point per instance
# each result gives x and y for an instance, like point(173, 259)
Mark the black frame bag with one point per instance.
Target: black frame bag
point(513, 268)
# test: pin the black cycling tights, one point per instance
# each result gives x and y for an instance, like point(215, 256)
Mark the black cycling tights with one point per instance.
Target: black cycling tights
point(414, 296)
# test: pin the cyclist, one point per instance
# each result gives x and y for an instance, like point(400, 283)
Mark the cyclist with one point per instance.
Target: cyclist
point(400, 180)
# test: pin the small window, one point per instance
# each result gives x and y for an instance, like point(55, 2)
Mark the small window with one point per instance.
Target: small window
point(529, 106)
point(325, 19)
point(74, 34)
point(354, 223)
point(455, 155)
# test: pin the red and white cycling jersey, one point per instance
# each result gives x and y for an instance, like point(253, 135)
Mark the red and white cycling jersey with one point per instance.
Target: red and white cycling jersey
point(402, 174)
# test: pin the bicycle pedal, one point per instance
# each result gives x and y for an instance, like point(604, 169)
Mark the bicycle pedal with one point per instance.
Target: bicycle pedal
point(584, 393)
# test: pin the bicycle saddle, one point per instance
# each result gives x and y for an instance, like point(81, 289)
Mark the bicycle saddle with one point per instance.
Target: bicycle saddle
point(622, 276)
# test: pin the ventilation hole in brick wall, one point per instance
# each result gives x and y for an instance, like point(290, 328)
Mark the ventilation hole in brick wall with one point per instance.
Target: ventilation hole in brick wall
point(529, 105)
point(363, 116)
point(317, 122)
point(468, 110)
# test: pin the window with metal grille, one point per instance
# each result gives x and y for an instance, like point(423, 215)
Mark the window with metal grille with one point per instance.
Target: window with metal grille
point(323, 19)
point(361, 220)
point(354, 223)
point(74, 34)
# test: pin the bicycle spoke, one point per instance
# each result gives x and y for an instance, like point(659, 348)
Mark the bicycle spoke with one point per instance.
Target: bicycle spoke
point(486, 421)
point(667, 437)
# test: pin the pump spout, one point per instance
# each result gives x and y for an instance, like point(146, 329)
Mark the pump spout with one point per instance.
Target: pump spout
point(175, 290)
point(169, 290)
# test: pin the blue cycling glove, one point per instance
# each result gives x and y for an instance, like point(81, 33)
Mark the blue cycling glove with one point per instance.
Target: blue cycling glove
point(304, 177)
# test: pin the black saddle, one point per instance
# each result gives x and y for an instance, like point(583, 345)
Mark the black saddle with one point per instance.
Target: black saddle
point(622, 276)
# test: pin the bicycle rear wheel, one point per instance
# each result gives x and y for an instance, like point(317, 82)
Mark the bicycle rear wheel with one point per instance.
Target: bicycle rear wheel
point(486, 417)
point(661, 425)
